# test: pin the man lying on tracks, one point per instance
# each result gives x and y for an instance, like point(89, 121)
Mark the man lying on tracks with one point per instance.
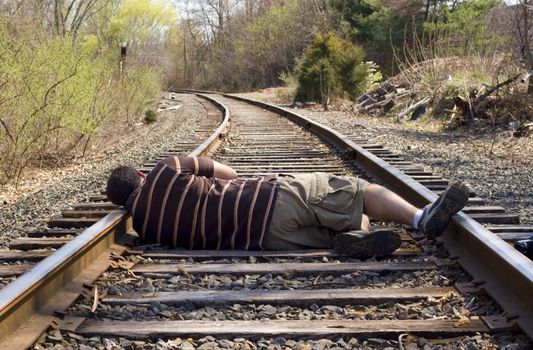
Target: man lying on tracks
point(198, 203)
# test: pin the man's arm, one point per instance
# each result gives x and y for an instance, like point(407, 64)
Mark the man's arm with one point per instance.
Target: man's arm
point(222, 171)
point(200, 166)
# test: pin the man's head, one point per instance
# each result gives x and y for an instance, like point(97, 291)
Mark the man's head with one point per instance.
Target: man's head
point(121, 184)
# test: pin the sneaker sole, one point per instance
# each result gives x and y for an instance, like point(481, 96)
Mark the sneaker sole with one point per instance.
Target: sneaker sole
point(376, 243)
point(449, 204)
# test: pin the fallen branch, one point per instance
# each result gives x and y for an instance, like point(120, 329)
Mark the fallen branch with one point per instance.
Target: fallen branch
point(413, 107)
point(495, 88)
point(385, 104)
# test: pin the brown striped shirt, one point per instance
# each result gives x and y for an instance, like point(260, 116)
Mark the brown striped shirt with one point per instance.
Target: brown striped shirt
point(181, 204)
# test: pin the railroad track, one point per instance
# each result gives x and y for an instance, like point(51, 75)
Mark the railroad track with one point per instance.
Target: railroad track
point(243, 299)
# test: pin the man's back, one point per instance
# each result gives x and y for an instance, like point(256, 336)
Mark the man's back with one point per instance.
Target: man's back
point(181, 204)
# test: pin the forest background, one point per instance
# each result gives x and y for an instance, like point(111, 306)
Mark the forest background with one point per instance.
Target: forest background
point(70, 69)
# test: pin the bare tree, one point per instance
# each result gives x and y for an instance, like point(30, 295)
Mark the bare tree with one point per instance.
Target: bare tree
point(70, 15)
point(523, 13)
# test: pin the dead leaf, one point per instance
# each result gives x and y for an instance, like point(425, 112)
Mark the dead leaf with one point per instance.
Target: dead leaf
point(462, 321)
point(184, 272)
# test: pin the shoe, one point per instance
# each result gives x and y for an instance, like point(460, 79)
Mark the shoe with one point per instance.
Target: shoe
point(365, 244)
point(525, 246)
point(437, 215)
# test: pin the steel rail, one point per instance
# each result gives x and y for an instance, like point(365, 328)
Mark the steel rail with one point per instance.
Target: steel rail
point(501, 271)
point(31, 303)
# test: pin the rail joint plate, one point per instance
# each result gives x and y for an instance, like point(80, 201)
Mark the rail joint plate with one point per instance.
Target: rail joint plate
point(499, 323)
point(67, 324)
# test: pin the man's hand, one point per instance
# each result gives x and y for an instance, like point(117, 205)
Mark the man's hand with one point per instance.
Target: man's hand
point(222, 171)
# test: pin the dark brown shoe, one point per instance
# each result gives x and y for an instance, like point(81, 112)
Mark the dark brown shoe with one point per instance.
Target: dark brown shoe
point(525, 247)
point(437, 215)
point(364, 244)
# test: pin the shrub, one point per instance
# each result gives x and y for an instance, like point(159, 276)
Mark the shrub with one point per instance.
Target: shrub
point(55, 94)
point(150, 116)
point(332, 67)
point(140, 86)
point(286, 93)
point(50, 96)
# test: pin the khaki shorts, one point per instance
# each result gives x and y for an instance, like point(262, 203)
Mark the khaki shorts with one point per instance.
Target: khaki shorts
point(311, 208)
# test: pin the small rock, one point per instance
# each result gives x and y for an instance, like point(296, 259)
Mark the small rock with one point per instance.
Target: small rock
point(471, 346)
point(225, 343)
point(125, 343)
point(208, 346)
point(290, 343)
point(421, 341)
point(113, 290)
point(175, 342)
point(109, 344)
point(322, 344)
point(54, 337)
point(332, 308)
point(75, 336)
point(187, 346)
point(166, 314)
point(269, 310)
point(279, 341)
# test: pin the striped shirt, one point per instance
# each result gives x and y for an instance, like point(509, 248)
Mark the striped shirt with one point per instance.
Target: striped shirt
point(182, 205)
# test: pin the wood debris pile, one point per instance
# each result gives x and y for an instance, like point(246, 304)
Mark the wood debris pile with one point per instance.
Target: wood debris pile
point(399, 96)
point(381, 100)
point(482, 103)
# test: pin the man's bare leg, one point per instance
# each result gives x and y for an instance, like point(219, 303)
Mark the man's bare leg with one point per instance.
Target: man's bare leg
point(382, 204)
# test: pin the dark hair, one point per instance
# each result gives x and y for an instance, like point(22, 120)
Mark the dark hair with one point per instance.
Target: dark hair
point(121, 183)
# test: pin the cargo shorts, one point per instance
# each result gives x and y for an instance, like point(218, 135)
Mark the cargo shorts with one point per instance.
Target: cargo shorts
point(311, 208)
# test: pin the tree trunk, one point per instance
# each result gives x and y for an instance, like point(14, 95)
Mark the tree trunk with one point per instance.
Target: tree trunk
point(185, 60)
point(220, 12)
point(249, 9)
point(58, 17)
point(527, 13)
point(426, 14)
